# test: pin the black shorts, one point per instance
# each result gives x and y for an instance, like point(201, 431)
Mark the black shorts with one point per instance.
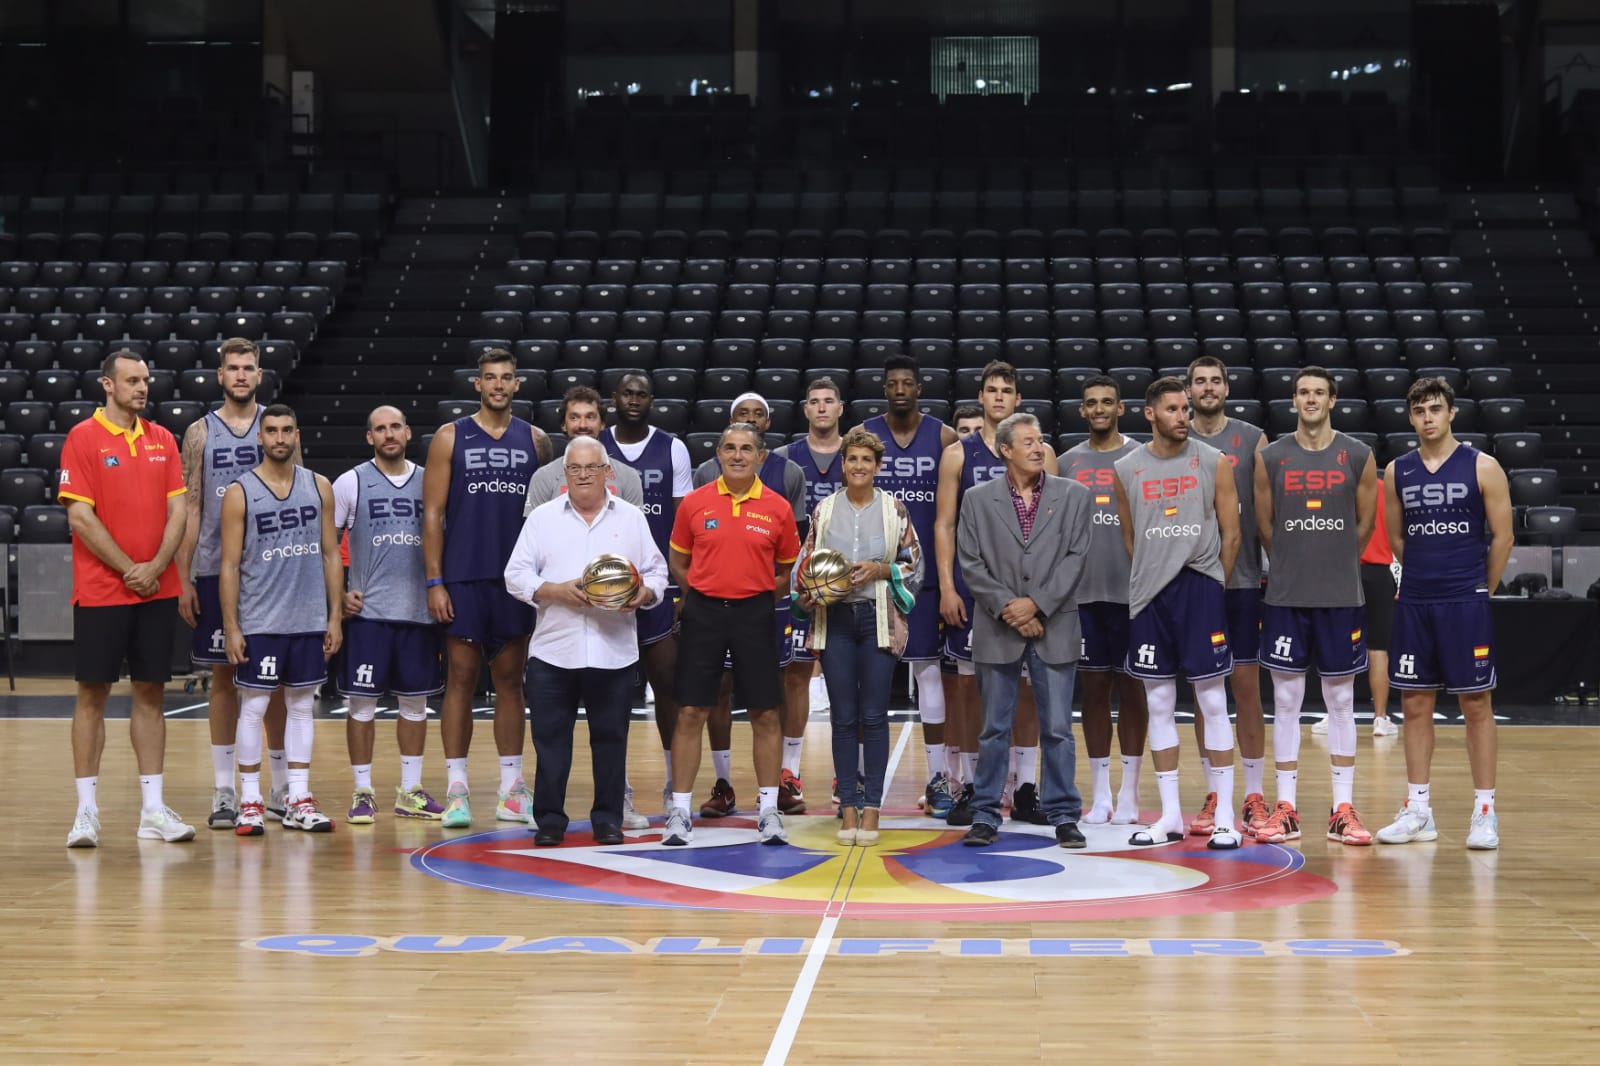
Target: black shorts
point(740, 630)
point(139, 635)
point(1377, 584)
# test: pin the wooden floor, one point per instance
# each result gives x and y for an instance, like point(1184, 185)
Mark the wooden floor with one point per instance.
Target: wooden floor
point(378, 944)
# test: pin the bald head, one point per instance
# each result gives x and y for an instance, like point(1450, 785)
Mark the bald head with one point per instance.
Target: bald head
point(388, 434)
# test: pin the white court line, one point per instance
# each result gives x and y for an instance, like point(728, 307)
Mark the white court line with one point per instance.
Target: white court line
point(795, 1012)
point(184, 710)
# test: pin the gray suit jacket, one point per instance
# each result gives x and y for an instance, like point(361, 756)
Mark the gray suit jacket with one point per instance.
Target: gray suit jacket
point(998, 567)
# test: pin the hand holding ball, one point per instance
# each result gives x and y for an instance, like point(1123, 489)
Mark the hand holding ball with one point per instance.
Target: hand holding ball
point(826, 577)
point(609, 582)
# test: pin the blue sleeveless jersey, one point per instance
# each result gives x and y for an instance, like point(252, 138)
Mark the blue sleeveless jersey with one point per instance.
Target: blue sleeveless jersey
point(771, 474)
point(227, 455)
point(654, 467)
point(488, 485)
point(820, 484)
point(1446, 529)
point(978, 464)
point(911, 474)
point(386, 547)
point(281, 587)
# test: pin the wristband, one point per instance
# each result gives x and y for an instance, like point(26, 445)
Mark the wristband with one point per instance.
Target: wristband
point(433, 582)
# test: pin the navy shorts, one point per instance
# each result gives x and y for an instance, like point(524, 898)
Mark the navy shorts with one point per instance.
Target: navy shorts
point(488, 615)
point(1332, 639)
point(1184, 631)
point(783, 630)
point(923, 643)
point(1443, 645)
point(799, 633)
point(399, 657)
point(1105, 636)
point(208, 645)
point(1244, 622)
point(958, 639)
point(281, 661)
point(658, 623)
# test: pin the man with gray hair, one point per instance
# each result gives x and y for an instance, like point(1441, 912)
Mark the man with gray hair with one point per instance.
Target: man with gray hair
point(1022, 540)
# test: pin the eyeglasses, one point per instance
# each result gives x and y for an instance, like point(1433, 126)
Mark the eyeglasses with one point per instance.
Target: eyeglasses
point(585, 471)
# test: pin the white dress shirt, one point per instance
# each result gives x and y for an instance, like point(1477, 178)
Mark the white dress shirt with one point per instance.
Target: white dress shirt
point(556, 543)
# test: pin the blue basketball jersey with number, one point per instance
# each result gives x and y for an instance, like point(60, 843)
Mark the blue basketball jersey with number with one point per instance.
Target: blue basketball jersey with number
point(227, 455)
point(820, 484)
point(1446, 528)
point(978, 464)
point(488, 483)
point(654, 466)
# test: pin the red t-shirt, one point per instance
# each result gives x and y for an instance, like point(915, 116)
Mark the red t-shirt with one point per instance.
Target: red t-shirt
point(127, 476)
point(1377, 549)
point(734, 542)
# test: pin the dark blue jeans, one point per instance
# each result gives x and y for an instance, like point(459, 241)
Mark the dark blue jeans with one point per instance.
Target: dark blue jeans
point(859, 675)
point(553, 697)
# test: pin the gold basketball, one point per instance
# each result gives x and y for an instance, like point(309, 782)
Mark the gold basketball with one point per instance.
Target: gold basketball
point(609, 581)
point(826, 576)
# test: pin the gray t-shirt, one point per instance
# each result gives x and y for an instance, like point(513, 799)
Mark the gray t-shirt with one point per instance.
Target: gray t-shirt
point(1105, 569)
point(1237, 440)
point(857, 534)
point(550, 481)
point(1315, 558)
point(1172, 503)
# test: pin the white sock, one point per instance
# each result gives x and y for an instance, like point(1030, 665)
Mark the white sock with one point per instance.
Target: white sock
point(1221, 782)
point(722, 762)
point(455, 772)
point(299, 784)
point(935, 754)
point(249, 787)
point(222, 765)
point(1417, 795)
point(1027, 766)
point(1483, 799)
point(278, 763)
point(969, 767)
point(766, 800)
point(791, 754)
point(1344, 785)
point(1255, 770)
point(1011, 772)
point(952, 763)
point(510, 771)
point(363, 775)
point(666, 757)
point(1288, 781)
point(1205, 766)
point(1171, 805)
point(1128, 791)
point(150, 792)
point(86, 793)
point(1100, 777)
point(410, 771)
point(683, 800)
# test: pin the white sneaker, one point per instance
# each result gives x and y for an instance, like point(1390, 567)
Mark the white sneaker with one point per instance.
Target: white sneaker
point(224, 809)
point(679, 830)
point(1485, 832)
point(818, 695)
point(770, 828)
point(303, 814)
point(164, 824)
point(631, 818)
point(1412, 824)
point(1320, 726)
point(85, 830)
point(1385, 727)
point(277, 802)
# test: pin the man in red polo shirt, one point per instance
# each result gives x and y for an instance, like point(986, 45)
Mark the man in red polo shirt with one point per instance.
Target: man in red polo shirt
point(728, 540)
point(122, 484)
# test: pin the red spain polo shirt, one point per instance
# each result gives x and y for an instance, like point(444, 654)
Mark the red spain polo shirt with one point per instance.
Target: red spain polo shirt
point(734, 542)
point(127, 476)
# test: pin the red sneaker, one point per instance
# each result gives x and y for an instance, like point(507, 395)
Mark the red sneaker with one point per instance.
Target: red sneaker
point(1206, 820)
point(1254, 813)
point(721, 804)
point(791, 795)
point(1282, 825)
point(1344, 825)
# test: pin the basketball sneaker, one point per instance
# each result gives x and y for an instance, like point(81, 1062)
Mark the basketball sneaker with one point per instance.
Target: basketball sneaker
point(936, 798)
point(1344, 825)
point(770, 830)
point(303, 814)
point(1319, 728)
point(791, 794)
point(85, 831)
point(1283, 824)
point(1206, 820)
point(224, 809)
point(961, 809)
point(1484, 835)
point(252, 816)
point(1025, 806)
point(679, 830)
point(457, 810)
point(516, 804)
point(1411, 825)
point(1384, 727)
point(363, 807)
point(722, 802)
point(1254, 813)
point(631, 818)
point(277, 802)
point(416, 803)
point(164, 824)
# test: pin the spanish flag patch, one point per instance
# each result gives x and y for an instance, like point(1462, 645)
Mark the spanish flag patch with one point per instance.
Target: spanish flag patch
point(1481, 651)
point(1102, 500)
point(1313, 505)
point(1218, 638)
point(1171, 512)
point(1355, 635)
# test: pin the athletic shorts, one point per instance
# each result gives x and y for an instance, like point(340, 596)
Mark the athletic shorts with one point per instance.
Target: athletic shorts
point(279, 661)
point(1244, 623)
point(208, 646)
point(958, 639)
point(136, 635)
point(782, 632)
point(399, 657)
point(1184, 630)
point(1105, 636)
point(924, 637)
point(488, 615)
point(1443, 645)
point(714, 631)
point(1377, 584)
point(1332, 639)
point(657, 623)
point(799, 633)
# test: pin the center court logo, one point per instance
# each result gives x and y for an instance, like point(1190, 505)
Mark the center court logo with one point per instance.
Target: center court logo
point(919, 872)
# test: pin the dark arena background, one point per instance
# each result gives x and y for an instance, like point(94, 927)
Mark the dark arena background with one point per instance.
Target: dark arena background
point(743, 195)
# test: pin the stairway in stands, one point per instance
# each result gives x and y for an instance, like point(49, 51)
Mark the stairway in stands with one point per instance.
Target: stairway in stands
point(401, 332)
point(1534, 265)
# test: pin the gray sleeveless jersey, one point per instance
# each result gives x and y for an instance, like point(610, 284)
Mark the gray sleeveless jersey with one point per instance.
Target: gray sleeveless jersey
point(227, 455)
point(1105, 569)
point(386, 547)
point(1238, 442)
point(1315, 558)
point(1173, 507)
point(280, 573)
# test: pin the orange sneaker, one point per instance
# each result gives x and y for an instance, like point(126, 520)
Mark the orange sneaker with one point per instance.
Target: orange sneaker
point(1206, 820)
point(1344, 825)
point(1254, 813)
point(1282, 825)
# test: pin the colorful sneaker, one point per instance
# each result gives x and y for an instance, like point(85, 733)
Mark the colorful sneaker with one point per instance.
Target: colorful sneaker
point(303, 814)
point(1344, 825)
point(1206, 820)
point(516, 804)
point(722, 802)
point(770, 830)
point(1411, 825)
point(961, 810)
point(363, 807)
point(277, 802)
point(416, 803)
point(631, 818)
point(1025, 806)
point(1253, 815)
point(1283, 824)
point(85, 832)
point(936, 798)
point(791, 794)
point(164, 824)
point(1385, 727)
point(224, 809)
point(457, 810)
point(252, 819)
point(679, 830)
point(1484, 835)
